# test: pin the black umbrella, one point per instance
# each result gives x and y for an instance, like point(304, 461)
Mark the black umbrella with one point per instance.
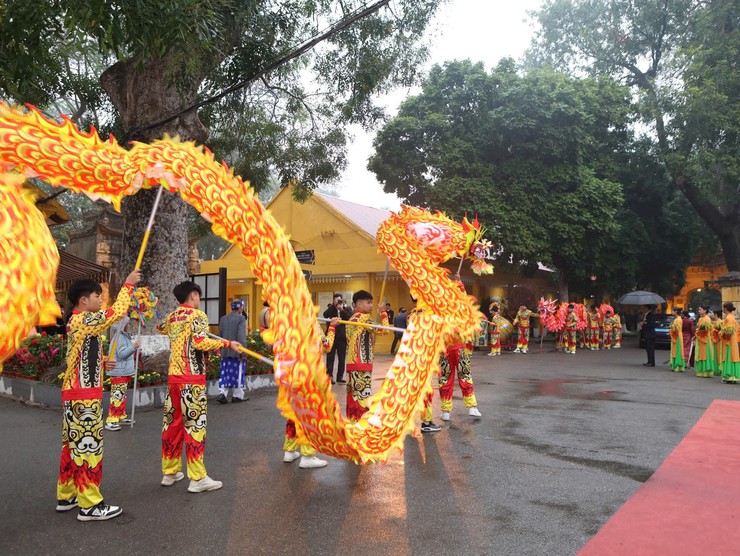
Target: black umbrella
point(640, 298)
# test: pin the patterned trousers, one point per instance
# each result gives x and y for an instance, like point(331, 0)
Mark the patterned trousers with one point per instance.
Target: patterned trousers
point(358, 392)
point(522, 341)
point(81, 465)
point(185, 409)
point(593, 338)
point(457, 360)
point(117, 407)
point(495, 342)
point(291, 441)
point(569, 340)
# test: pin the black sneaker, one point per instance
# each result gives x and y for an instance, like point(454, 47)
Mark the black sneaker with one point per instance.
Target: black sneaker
point(222, 399)
point(428, 426)
point(239, 400)
point(341, 381)
point(101, 512)
point(66, 505)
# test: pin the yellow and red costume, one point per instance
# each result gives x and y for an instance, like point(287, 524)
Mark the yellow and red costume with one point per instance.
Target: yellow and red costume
point(495, 331)
point(291, 443)
point(608, 331)
point(617, 323)
point(522, 323)
point(571, 332)
point(81, 465)
point(360, 362)
point(594, 327)
point(185, 406)
point(456, 359)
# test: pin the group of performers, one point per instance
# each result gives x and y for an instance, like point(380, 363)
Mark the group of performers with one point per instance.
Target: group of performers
point(185, 406)
point(713, 341)
point(597, 328)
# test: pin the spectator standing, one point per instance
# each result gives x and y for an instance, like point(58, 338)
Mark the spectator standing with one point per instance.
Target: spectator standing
point(338, 308)
point(264, 316)
point(648, 334)
point(232, 327)
point(390, 312)
point(399, 322)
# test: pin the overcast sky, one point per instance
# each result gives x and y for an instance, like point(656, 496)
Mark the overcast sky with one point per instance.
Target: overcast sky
point(481, 30)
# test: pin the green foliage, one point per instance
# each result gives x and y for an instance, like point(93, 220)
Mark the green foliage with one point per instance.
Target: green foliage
point(289, 124)
point(531, 154)
point(680, 57)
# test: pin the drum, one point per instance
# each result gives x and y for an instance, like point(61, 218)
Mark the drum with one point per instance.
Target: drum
point(506, 329)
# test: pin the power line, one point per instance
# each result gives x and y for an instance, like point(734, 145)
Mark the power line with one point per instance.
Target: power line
point(309, 44)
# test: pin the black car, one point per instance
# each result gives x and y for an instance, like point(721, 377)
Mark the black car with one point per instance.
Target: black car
point(662, 326)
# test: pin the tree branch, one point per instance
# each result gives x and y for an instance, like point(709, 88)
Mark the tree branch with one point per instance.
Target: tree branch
point(302, 49)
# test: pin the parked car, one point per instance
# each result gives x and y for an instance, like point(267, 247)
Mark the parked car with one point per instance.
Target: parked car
point(662, 326)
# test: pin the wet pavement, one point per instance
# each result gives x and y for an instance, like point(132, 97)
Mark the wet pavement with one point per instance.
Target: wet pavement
point(563, 442)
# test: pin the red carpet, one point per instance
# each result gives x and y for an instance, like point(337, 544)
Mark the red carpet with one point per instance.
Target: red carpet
point(691, 504)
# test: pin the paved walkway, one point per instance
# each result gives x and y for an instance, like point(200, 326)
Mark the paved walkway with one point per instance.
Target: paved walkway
point(564, 441)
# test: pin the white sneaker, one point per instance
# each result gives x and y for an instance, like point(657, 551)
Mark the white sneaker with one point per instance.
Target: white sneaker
point(517, 350)
point(169, 480)
point(112, 427)
point(101, 512)
point(206, 483)
point(473, 412)
point(291, 456)
point(525, 351)
point(126, 421)
point(445, 416)
point(490, 354)
point(312, 462)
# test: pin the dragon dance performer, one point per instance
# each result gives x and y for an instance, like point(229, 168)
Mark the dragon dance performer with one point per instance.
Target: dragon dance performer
point(292, 448)
point(678, 363)
point(729, 336)
point(522, 323)
point(594, 326)
point(705, 358)
point(494, 328)
point(456, 359)
point(608, 325)
point(617, 324)
point(120, 375)
point(81, 465)
point(360, 354)
point(185, 405)
point(571, 330)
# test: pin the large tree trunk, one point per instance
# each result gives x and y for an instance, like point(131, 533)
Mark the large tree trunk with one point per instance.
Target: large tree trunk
point(726, 226)
point(143, 97)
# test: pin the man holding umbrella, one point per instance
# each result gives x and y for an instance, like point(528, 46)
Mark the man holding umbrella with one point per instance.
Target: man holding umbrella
point(648, 333)
point(649, 300)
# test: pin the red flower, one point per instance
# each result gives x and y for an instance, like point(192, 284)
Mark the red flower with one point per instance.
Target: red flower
point(43, 334)
point(35, 341)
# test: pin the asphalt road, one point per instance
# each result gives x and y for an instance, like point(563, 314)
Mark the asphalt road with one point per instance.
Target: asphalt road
point(563, 442)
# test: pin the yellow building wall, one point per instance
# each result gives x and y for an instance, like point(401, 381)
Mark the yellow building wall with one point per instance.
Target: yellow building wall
point(696, 275)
